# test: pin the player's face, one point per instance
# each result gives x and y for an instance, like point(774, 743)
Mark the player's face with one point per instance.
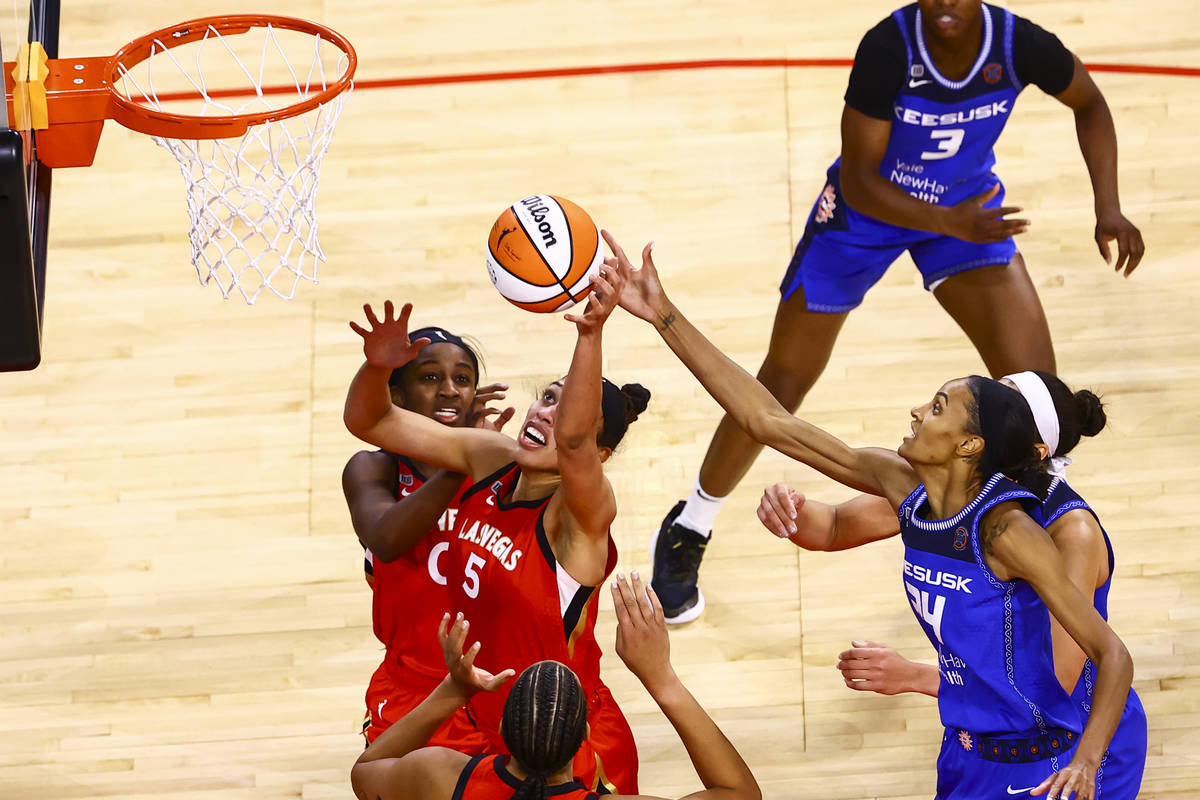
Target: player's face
point(440, 384)
point(948, 20)
point(536, 437)
point(939, 426)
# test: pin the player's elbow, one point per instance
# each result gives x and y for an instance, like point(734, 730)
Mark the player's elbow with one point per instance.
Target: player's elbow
point(763, 426)
point(357, 780)
point(1116, 657)
point(856, 184)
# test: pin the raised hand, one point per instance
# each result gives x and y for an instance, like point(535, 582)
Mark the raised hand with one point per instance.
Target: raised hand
point(606, 289)
point(387, 344)
point(642, 294)
point(778, 509)
point(1112, 225)
point(970, 221)
point(484, 416)
point(463, 672)
point(642, 641)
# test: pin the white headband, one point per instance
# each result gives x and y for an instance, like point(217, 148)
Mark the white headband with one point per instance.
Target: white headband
point(1034, 390)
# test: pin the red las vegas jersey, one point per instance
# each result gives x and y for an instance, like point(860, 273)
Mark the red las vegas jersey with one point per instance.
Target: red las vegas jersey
point(486, 777)
point(410, 596)
point(521, 604)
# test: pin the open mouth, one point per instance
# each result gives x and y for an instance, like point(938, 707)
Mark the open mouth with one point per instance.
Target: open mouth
point(446, 415)
point(533, 436)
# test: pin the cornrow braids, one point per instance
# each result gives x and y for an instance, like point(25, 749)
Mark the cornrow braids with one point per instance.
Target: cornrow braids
point(544, 722)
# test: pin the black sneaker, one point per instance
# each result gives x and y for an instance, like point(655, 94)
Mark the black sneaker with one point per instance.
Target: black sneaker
point(676, 552)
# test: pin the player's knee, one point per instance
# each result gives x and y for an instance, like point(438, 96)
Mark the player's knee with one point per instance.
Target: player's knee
point(787, 384)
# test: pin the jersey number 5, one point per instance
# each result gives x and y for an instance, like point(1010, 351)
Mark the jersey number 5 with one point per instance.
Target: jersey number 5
point(471, 573)
point(948, 142)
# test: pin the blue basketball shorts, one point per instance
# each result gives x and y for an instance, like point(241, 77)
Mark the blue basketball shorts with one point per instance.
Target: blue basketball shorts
point(843, 253)
point(1120, 773)
point(965, 773)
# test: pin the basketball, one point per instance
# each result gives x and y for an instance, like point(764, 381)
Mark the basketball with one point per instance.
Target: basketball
point(542, 253)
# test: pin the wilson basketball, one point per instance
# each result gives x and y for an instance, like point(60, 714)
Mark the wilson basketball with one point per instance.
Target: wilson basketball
point(542, 253)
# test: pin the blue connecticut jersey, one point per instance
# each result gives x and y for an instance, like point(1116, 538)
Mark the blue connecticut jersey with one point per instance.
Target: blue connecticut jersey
point(1120, 774)
point(943, 131)
point(992, 637)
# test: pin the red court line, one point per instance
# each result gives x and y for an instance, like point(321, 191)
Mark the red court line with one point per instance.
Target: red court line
point(717, 63)
point(648, 66)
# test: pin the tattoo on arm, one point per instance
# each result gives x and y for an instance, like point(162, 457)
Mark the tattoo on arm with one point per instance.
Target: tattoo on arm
point(990, 534)
point(668, 321)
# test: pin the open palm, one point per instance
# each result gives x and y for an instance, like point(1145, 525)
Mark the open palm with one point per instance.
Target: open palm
point(462, 667)
point(387, 344)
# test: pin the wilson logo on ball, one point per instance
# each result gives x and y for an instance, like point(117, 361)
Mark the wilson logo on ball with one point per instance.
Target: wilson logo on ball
point(543, 252)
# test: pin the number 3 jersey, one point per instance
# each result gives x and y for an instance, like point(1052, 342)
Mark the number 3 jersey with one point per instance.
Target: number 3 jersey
point(522, 605)
point(992, 637)
point(943, 130)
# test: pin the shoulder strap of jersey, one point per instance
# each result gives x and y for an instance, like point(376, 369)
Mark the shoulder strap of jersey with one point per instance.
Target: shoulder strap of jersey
point(486, 482)
point(465, 776)
point(999, 489)
point(1009, 63)
point(910, 504)
point(411, 466)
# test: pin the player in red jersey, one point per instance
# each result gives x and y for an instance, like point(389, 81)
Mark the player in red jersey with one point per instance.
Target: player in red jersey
point(531, 539)
point(401, 511)
point(545, 719)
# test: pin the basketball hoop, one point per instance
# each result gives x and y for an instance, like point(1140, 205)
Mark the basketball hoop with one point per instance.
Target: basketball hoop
point(247, 104)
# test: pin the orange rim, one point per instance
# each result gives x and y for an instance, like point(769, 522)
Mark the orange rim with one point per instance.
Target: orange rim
point(185, 126)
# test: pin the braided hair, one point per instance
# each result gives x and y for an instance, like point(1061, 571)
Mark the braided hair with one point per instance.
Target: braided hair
point(1001, 416)
point(620, 408)
point(544, 722)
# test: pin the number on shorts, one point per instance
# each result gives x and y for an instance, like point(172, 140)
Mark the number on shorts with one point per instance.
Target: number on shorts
point(948, 142)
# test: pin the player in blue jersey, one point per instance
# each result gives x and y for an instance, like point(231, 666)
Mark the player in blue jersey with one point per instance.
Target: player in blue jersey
point(981, 574)
point(931, 88)
point(1062, 417)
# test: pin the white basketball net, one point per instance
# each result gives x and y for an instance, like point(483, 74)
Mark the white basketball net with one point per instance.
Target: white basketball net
point(251, 200)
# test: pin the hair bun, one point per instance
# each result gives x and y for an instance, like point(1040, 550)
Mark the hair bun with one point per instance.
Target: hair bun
point(638, 397)
point(1092, 418)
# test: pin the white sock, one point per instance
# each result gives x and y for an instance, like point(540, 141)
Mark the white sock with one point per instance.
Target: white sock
point(700, 511)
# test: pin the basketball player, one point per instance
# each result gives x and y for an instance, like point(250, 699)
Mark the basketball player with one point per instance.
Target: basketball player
point(531, 542)
point(545, 720)
point(1062, 417)
point(931, 88)
point(400, 510)
point(1008, 720)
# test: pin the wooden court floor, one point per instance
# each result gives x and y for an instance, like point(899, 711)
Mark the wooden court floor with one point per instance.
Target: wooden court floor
point(182, 612)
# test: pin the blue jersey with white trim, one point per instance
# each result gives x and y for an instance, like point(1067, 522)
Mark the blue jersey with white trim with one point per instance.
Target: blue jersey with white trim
point(992, 636)
point(943, 131)
point(1061, 498)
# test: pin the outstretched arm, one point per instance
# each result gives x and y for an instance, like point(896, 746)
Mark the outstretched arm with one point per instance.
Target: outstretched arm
point(748, 402)
point(643, 645)
point(586, 492)
point(370, 415)
point(813, 525)
point(1015, 547)
point(1098, 144)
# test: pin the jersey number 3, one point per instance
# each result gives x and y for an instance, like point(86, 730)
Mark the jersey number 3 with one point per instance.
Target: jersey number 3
point(948, 142)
